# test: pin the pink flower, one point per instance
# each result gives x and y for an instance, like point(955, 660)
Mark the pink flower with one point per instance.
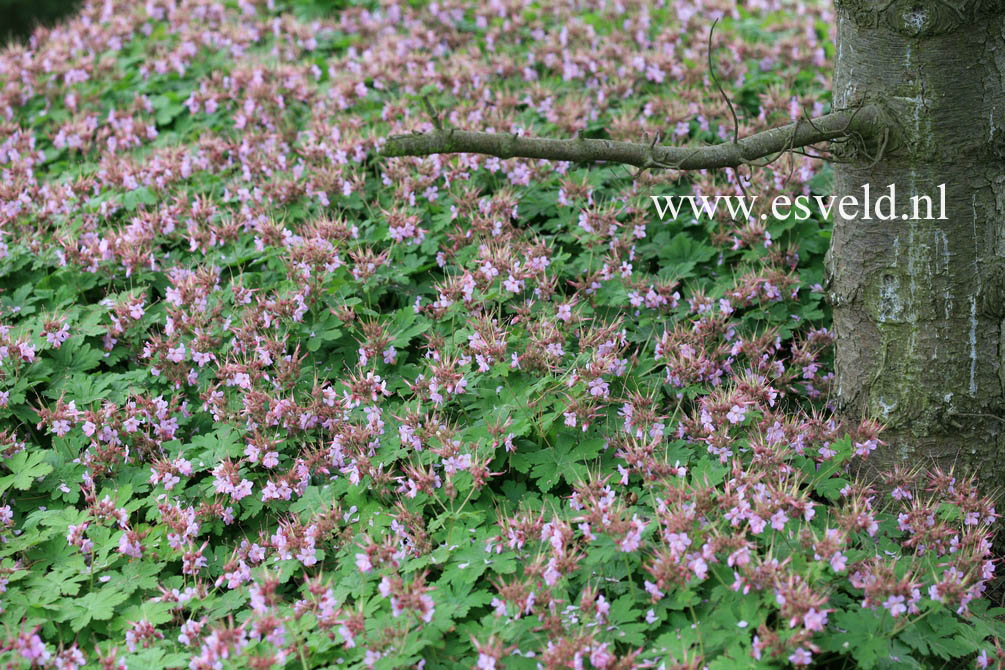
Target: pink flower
point(426, 607)
point(598, 387)
point(129, 544)
point(513, 285)
point(699, 567)
point(189, 632)
point(177, 354)
point(677, 542)
point(814, 620)
point(70, 659)
point(240, 379)
point(600, 657)
point(347, 635)
point(193, 562)
point(865, 448)
point(242, 490)
point(56, 339)
point(32, 648)
point(258, 599)
point(896, 606)
point(800, 657)
point(142, 631)
point(633, 538)
point(256, 554)
point(252, 452)
point(551, 574)
point(27, 351)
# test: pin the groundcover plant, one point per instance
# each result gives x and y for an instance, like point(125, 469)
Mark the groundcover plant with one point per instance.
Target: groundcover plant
point(270, 401)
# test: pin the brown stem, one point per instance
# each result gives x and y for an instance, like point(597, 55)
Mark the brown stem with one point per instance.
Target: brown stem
point(863, 120)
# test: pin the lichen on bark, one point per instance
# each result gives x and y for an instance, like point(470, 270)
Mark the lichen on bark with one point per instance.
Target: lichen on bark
point(917, 302)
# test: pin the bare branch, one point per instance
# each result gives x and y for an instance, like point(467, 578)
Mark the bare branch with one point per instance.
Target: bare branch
point(866, 121)
point(433, 116)
point(711, 71)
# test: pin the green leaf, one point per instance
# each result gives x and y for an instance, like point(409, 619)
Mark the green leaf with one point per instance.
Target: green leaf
point(831, 488)
point(683, 253)
point(75, 356)
point(132, 199)
point(707, 472)
point(407, 325)
point(823, 181)
point(26, 466)
point(167, 112)
point(560, 461)
point(97, 606)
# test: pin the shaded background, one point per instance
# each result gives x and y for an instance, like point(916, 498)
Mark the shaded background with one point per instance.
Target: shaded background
point(19, 17)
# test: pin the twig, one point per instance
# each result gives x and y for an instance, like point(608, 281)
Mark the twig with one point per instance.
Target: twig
point(432, 113)
point(715, 79)
point(729, 103)
point(862, 121)
point(980, 414)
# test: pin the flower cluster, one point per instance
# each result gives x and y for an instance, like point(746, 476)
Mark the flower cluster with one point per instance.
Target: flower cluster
point(266, 400)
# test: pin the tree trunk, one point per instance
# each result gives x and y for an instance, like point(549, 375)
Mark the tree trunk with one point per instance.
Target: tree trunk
point(919, 311)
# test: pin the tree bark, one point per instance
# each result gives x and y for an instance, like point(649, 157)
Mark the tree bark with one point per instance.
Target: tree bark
point(919, 312)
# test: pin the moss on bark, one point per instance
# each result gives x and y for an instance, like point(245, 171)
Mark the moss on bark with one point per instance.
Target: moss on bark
point(917, 302)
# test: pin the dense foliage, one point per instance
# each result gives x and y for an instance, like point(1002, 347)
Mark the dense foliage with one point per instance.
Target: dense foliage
point(268, 401)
